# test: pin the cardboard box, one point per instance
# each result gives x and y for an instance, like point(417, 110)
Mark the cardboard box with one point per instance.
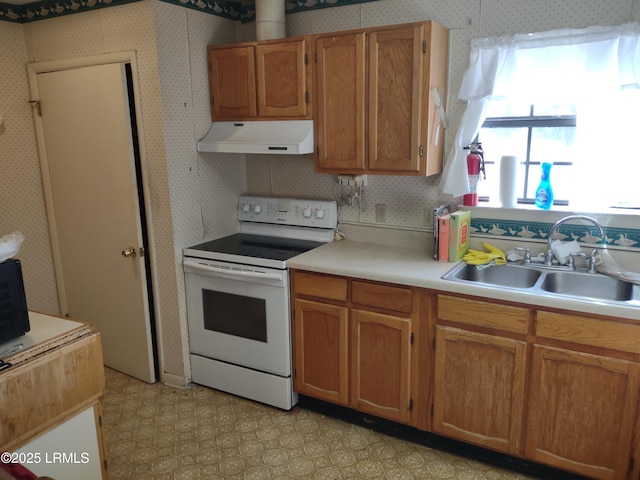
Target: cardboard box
point(459, 230)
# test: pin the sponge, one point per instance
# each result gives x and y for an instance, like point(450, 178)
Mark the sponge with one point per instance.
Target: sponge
point(562, 250)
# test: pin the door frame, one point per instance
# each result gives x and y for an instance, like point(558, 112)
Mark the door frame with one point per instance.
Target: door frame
point(130, 57)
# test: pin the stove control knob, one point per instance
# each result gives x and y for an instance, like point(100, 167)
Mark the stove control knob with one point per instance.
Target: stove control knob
point(246, 208)
point(307, 213)
point(320, 213)
point(257, 209)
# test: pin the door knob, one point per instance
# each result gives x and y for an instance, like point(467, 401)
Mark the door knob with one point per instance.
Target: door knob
point(129, 252)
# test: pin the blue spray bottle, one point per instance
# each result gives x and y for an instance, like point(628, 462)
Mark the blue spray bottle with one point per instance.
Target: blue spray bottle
point(544, 193)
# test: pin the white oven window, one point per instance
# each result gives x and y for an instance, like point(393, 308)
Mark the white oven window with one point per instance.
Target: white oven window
point(236, 315)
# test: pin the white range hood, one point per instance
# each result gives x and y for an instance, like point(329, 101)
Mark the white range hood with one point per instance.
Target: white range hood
point(284, 137)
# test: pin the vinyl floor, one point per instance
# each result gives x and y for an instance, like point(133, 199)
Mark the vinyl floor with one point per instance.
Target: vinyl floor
point(159, 432)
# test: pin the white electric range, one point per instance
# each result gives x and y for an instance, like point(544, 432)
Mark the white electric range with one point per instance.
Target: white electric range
point(237, 291)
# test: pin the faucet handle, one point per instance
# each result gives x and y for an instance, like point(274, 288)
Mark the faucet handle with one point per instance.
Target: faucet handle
point(527, 254)
point(572, 256)
point(592, 260)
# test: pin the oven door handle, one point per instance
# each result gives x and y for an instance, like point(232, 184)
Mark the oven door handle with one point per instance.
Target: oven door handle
point(231, 273)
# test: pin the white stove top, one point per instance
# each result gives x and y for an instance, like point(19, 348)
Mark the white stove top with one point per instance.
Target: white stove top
point(272, 231)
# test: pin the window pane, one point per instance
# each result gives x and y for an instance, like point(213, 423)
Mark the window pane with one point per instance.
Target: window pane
point(553, 145)
point(497, 142)
point(554, 109)
point(508, 109)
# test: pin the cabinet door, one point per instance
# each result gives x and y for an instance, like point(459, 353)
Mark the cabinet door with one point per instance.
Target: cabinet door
point(282, 79)
point(321, 351)
point(380, 372)
point(395, 97)
point(232, 82)
point(479, 388)
point(340, 106)
point(581, 412)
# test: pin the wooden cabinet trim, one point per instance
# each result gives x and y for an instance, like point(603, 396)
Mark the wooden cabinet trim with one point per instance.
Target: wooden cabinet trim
point(590, 331)
point(387, 297)
point(320, 286)
point(467, 311)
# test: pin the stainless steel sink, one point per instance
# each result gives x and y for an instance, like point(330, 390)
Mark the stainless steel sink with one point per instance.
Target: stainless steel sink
point(504, 275)
point(542, 280)
point(590, 285)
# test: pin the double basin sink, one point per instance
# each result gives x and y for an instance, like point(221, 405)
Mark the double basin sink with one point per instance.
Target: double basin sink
point(539, 279)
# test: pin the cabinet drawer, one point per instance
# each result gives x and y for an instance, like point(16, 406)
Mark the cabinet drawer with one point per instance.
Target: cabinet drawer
point(316, 285)
point(398, 299)
point(483, 314)
point(590, 331)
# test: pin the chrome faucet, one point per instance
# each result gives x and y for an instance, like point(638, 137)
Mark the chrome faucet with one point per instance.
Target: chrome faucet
point(548, 255)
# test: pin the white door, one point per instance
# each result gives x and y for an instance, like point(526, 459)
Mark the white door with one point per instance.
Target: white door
point(94, 212)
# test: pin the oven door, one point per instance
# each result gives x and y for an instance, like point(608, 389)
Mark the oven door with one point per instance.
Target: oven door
point(239, 314)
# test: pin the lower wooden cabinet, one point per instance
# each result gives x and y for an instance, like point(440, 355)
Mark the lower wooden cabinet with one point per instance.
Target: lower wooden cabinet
point(351, 355)
point(479, 388)
point(581, 413)
point(321, 351)
point(555, 387)
point(380, 371)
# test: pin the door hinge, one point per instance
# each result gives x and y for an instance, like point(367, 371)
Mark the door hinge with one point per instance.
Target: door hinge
point(106, 465)
point(420, 150)
point(306, 97)
point(100, 420)
point(306, 59)
point(432, 410)
point(37, 105)
point(315, 57)
point(412, 338)
point(411, 404)
point(433, 343)
point(424, 46)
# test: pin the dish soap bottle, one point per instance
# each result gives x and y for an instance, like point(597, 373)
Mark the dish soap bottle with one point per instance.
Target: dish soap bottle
point(544, 193)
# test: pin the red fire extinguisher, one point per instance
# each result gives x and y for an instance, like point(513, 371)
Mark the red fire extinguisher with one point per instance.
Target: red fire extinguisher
point(475, 165)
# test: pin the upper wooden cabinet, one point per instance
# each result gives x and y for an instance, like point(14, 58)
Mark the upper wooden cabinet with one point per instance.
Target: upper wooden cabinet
point(374, 108)
point(265, 80)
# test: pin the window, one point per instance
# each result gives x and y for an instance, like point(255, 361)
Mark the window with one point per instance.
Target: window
point(534, 134)
point(569, 97)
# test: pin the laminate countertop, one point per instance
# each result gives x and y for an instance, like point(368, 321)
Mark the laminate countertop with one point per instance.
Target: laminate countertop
point(416, 267)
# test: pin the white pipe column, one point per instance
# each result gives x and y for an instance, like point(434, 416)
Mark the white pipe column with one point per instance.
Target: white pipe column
point(270, 19)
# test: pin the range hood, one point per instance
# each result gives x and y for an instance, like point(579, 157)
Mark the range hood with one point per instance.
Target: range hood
point(284, 137)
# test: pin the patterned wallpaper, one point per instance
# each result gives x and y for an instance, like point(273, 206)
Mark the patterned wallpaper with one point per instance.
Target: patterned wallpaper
point(230, 9)
point(21, 194)
point(193, 195)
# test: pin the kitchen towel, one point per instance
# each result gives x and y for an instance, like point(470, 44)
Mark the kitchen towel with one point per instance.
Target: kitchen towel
point(508, 174)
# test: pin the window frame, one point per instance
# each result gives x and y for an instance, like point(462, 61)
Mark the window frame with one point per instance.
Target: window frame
point(529, 122)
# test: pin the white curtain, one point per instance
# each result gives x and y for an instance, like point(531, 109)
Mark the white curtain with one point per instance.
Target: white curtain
point(587, 67)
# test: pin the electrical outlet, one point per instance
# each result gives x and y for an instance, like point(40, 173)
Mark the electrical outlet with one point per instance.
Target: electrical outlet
point(381, 212)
